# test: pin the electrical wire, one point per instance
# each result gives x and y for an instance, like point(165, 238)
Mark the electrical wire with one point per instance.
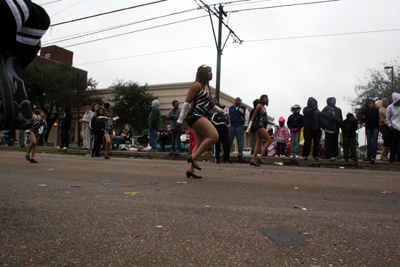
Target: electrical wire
point(65, 9)
point(258, 40)
point(75, 36)
point(143, 55)
point(321, 35)
point(106, 13)
point(145, 29)
point(50, 2)
point(269, 7)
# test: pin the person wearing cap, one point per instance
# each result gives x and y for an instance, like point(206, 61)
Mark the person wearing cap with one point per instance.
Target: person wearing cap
point(393, 122)
point(85, 127)
point(330, 120)
point(154, 124)
point(239, 119)
point(173, 115)
point(33, 133)
point(281, 137)
point(295, 123)
point(221, 123)
point(65, 127)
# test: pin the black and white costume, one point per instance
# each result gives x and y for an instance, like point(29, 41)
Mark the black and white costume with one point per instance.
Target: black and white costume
point(260, 120)
point(37, 123)
point(109, 126)
point(200, 106)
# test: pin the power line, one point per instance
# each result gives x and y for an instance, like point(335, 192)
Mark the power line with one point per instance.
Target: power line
point(269, 7)
point(321, 35)
point(258, 40)
point(75, 36)
point(66, 8)
point(145, 29)
point(106, 13)
point(50, 2)
point(143, 55)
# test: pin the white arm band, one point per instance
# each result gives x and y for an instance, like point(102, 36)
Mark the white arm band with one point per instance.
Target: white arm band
point(184, 109)
point(249, 127)
point(220, 110)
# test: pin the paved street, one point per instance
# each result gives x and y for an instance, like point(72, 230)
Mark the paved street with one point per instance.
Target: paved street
point(70, 210)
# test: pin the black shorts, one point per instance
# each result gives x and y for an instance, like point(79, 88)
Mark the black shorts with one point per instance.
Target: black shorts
point(191, 119)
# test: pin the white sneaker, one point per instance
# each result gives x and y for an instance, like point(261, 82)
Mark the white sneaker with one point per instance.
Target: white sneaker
point(58, 147)
point(297, 156)
point(276, 156)
point(283, 156)
point(65, 148)
point(291, 156)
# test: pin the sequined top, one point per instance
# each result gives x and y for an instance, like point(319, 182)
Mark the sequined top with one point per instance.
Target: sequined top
point(201, 103)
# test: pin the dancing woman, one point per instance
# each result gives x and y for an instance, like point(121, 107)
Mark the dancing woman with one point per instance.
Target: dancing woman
point(33, 133)
point(108, 132)
point(257, 125)
point(200, 98)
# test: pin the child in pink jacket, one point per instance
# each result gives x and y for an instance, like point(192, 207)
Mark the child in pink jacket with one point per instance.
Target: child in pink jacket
point(281, 137)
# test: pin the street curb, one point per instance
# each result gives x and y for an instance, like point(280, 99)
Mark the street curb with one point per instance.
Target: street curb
point(321, 163)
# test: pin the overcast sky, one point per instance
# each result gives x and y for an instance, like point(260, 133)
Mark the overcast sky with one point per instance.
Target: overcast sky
point(270, 61)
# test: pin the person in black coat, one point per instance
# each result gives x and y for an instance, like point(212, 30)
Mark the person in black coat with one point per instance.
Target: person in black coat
point(98, 125)
point(330, 120)
point(312, 130)
point(295, 123)
point(222, 124)
point(65, 127)
point(349, 128)
point(370, 116)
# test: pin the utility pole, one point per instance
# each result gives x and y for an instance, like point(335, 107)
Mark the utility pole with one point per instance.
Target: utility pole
point(219, 52)
point(220, 13)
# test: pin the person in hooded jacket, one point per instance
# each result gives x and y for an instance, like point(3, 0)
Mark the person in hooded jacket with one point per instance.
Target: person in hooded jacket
point(370, 116)
point(312, 130)
point(393, 122)
point(295, 123)
point(349, 128)
point(330, 120)
point(154, 124)
point(65, 127)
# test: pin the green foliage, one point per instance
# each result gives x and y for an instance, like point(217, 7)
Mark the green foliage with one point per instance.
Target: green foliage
point(377, 85)
point(131, 102)
point(55, 86)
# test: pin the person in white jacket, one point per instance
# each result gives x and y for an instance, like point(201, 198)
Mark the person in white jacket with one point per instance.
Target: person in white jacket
point(393, 122)
point(85, 127)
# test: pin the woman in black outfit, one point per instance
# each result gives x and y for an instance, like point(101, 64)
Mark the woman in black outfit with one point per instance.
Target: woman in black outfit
point(257, 125)
point(200, 98)
point(98, 126)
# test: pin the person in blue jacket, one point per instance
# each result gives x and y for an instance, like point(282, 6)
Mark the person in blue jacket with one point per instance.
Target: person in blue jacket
point(239, 119)
point(295, 123)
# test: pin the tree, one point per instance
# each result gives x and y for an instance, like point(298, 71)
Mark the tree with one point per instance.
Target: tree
point(55, 86)
point(377, 85)
point(131, 102)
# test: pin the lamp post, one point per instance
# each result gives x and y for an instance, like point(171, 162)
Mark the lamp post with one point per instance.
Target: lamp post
point(392, 79)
